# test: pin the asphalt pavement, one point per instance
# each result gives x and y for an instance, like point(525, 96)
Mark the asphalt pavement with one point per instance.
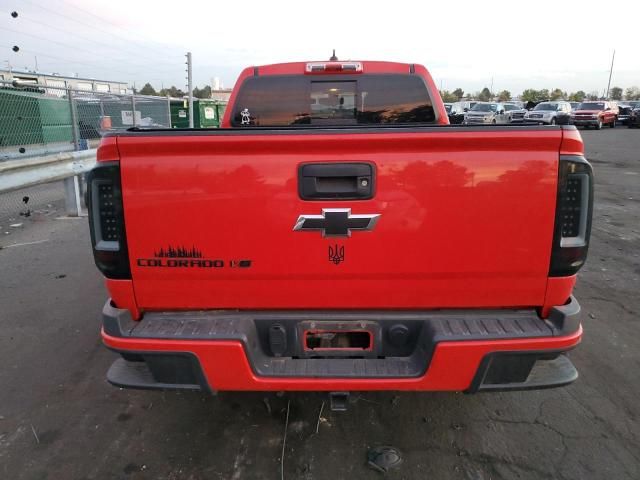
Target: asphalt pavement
point(60, 420)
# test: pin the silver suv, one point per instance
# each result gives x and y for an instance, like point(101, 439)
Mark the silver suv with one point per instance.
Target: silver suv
point(515, 112)
point(549, 113)
point(486, 113)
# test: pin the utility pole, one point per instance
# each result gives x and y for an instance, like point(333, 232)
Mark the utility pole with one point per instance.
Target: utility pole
point(190, 89)
point(610, 73)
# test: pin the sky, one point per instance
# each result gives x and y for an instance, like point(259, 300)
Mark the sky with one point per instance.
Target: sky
point(514, 44)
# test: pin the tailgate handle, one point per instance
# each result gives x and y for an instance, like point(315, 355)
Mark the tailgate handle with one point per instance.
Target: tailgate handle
point(335, 181)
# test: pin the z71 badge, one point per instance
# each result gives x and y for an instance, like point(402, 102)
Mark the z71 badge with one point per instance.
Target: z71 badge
point(181, 257)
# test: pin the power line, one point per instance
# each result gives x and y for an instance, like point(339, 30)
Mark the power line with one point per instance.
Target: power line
point(66, 32)
point(103, 20)
point(86, 64)
point(84, 24)
point(92, 52)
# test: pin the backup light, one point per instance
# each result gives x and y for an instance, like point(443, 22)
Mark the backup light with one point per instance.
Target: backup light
point(109, 226)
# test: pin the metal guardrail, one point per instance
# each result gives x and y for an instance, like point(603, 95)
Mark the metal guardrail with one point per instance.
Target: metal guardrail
point(16, 174)
point(67, 166)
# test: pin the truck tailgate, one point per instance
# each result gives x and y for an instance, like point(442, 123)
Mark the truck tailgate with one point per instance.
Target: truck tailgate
point(466, 218)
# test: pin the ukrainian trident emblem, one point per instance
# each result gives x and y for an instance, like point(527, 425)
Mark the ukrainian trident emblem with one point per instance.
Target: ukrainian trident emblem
point(336, 254)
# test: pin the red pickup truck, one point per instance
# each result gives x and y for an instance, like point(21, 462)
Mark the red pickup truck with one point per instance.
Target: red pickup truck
point(595, 114)
point(339, 235)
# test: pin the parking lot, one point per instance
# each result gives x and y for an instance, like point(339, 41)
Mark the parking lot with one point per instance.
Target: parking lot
point(59, 419)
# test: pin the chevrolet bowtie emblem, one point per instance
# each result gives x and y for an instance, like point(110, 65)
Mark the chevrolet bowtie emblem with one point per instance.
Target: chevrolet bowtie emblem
point(336, 222)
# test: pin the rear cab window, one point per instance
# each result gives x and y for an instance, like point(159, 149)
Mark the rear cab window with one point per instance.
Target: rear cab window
point(292, 100)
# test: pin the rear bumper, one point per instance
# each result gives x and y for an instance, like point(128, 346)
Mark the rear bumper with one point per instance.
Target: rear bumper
point(451, 351)
point(584, 122)
point(477, 121)
point(537, 121)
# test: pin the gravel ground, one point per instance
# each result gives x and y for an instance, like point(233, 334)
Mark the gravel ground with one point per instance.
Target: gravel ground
point(59, 419)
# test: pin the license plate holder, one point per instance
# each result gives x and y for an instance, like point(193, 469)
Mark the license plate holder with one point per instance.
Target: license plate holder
point(339, 338)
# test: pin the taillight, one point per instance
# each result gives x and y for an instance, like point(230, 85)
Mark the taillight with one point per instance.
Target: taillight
point(331, 67)
point(574, 206)
point(106, 220)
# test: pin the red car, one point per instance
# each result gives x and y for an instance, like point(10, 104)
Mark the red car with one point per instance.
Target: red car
point(595, 114)
point(339, 235)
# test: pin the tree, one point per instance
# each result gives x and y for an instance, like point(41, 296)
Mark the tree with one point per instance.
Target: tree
point(557, 94)
point(543, 95)
point(593, 95)
point(459, 93)
point(504, 96)
point(147, 90)
point(204, 92)
point(447, 96)
point(172, 92)
point(485, 95)
point(529, 95)
point(632, 93)
point(578, 96)
point(616, 93)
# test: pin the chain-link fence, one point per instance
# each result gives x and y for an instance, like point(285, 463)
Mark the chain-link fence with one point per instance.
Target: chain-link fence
point(38, 120)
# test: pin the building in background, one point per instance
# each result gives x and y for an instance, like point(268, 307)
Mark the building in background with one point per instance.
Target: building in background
point(62, 81)
point(218, 92)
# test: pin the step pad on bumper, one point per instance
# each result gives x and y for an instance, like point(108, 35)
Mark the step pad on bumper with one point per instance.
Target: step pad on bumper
point(138, 375)
point(445, 326)
point(541, 373)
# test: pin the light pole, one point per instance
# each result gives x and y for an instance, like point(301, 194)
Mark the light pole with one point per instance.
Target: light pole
point(610, 73)
point(190, 89)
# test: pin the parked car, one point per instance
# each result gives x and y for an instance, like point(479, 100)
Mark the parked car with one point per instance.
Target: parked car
point(486, 113)
point(574, 105)
point(595, 114)
point(515, 112)
point(517, 103)
point(624, 111)
point(447, 107)
point(458, 109)
point(634, 117)
point(549, 113)
point(257, 256)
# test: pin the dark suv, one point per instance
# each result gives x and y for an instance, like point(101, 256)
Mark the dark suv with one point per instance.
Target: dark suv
point(634, 116)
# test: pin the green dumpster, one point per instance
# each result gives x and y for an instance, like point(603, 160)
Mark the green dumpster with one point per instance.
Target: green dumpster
point(207, 113)
point(29, 118)
point(179, 113)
